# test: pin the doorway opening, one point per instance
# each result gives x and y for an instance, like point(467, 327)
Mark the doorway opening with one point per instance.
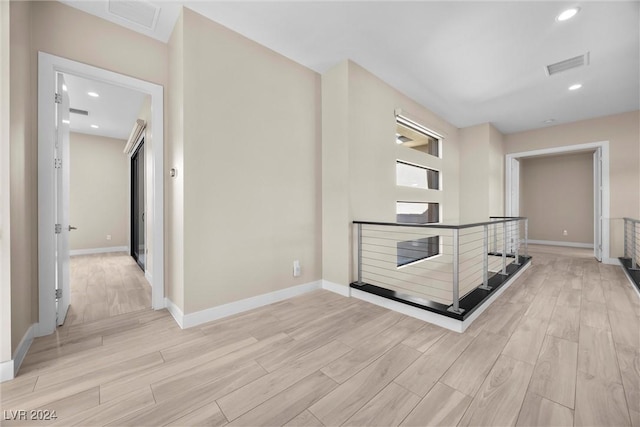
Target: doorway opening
point(601, 223)
point(50, 67)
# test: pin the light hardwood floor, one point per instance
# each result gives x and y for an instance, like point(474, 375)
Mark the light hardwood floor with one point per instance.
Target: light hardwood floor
point(105, 285)
point(560, 347)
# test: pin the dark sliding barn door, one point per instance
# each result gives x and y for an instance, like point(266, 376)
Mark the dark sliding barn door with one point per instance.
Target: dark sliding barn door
point(137, 206)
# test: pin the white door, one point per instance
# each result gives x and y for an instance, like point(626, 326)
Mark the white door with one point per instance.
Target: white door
point(597, 204)
point(61, 151)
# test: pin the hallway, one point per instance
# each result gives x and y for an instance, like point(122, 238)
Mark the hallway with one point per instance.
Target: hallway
point(105, 285)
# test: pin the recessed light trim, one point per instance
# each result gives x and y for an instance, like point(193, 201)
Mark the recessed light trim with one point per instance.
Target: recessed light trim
point(95, 126)
point(575, 86)
point(567, 14)
point(549, 121)
point(93, 94)
point(65, 121)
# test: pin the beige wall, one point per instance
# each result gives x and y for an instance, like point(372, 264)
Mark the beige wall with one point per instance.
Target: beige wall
point(23, 179)
point(621, 130)
point(174, 188)
point(359, 161)
point(481, 173)
point(251, 170)
point(557, 195)
point(496, 172)
point(5, 186)
point(99, 193)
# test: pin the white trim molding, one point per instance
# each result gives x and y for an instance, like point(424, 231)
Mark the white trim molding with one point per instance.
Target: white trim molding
point(345, 291)
point(512, 185)
point(109, 249)
point(9, 369)
point(567, 244)
point(214, 313)
point(6, 371)
point(48, 66)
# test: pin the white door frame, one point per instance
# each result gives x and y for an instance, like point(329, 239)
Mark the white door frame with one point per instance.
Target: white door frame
point(512, 181)
point(48, 66)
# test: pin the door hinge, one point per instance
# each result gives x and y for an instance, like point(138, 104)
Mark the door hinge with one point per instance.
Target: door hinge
point(57, 163)
point(58, 98)
point(58, 228)
point(58, 293)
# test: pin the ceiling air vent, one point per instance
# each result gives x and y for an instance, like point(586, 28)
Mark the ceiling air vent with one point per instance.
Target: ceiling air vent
point(139, 12)
point(77, 111)
point(567, 64)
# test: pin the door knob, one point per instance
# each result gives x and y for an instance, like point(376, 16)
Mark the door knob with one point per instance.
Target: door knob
point(72, 228)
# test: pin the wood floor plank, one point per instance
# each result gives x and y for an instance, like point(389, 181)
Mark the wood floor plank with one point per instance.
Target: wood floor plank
point(339, 405)
point(108, 412)
point(207, 415)
point(569, 298)
point(425, 337)
point(600, 402)
point(285, 405)
point(625, 328)
point(506, 319)
point(155, 374)
point(538, 411)
point(565, 323)
point(182, 404)
point(594, 314)
point(541, 307)
point(387, 408)
point(420, 376)
point(246, 398)
point(60, 389)
point(526, 340)
point(304, 419)
point(470, 369)
point(183, 381)
point(554, 376)
point(597, 354)
point(369, 350)
point(500, 397)
point(370, 329)
point(442, 406)
point(629, 362)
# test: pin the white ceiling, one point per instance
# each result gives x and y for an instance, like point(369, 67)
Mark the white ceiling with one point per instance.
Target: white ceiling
point(470, 62)
point(114, 111)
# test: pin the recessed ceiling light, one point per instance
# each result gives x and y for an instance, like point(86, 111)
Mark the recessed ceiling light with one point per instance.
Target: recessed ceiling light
point(549, 121)
point(95, 126)
point(66, 121)
point(94, 94)
point(64, 87)
point(567, 14)
point(575, 86)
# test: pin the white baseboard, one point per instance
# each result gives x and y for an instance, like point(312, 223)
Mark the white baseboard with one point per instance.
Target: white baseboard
point(175, 311)
point(98, 250)
point(6, 371)
point(214, 313)
point(434, 318)
point(567, 244)
point(345, 291)
point(9, 369)
point(147, 275)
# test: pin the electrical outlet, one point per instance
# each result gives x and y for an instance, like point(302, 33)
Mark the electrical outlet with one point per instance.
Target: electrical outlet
point(108, 236)
point(565, 233)
point(296, 268)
